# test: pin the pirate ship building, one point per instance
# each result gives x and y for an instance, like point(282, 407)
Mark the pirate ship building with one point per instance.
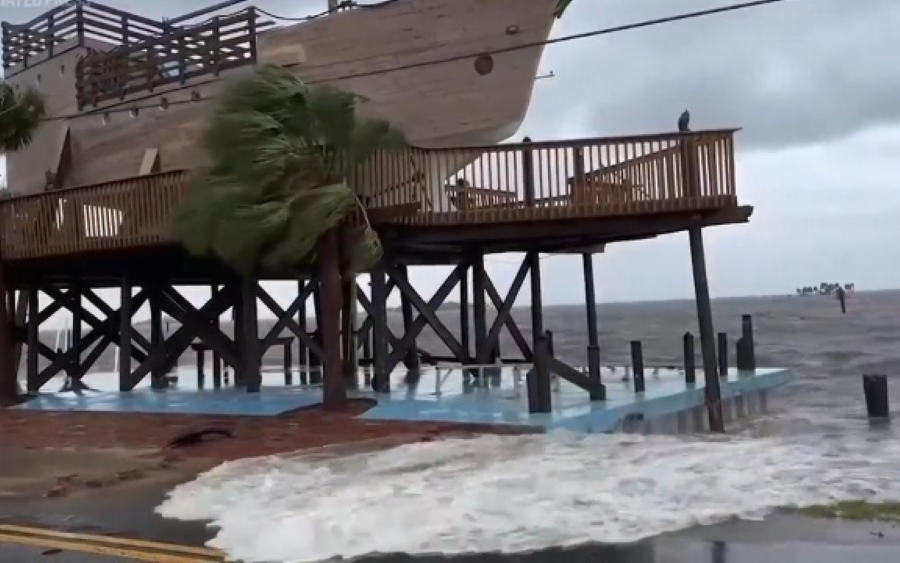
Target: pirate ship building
point(95, 194)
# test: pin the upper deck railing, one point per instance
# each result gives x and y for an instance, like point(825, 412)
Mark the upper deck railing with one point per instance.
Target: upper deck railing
point(460, 186)
point(67, 26)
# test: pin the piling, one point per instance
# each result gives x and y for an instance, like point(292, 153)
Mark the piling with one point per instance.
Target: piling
point(690, 362)
point(875, 388)
point(746, 347)
point(637, 361)
point(723, 354)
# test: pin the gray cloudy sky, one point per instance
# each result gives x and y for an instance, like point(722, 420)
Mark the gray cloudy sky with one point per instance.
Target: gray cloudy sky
point(815, 85)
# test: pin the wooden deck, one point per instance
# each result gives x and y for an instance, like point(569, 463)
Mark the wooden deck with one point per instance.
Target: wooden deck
point(554, 182)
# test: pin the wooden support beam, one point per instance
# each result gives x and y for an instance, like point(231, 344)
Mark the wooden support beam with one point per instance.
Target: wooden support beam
point(21, 313)
point(125, 330)
point(504, 311)
point(250, 358)
point(89, 318)
point(285, 319)
point(541, 385)
point(590, 303)
point(77, 316)
point(158, 375)
point(378, 313)
point(180, 309)
point(427, 314)
point(302, 359)
point(349, 348)
point(181, 339)
point(480, 317)
point(34, 327)
point(707, 333)
point(217, 359)
point(464, 312)
point(412, 360)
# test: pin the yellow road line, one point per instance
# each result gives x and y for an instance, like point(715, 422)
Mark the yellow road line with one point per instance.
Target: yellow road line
point(110, 540)
point(139, 550)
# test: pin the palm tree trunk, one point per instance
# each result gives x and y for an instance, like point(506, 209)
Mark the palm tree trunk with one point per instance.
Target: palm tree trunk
point(9, 385)
point(334, 391)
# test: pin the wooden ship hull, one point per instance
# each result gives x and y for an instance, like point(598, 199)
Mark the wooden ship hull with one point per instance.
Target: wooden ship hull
point(127, 95)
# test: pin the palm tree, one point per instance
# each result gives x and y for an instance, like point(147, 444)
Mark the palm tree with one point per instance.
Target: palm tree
point(276, 194)
point(20, 117)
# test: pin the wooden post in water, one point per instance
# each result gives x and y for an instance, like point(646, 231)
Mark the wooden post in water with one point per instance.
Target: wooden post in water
point(591, 306)
point(539, 395)
point(77, 316)
point(746, 347)
point(349, 349)
point(217, 360)
point(158, 374)
point(125, 311)
point(875, 388)
point(723, 354)
point(637, 363)
point(482, 353)
point(315, 361)
point(690, 367)
point(707, 333)
point(464, 312)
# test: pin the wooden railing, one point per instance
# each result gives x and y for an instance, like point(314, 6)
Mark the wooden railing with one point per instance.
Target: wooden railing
point(125, 214)
point(547, 180)
point(517, 182)
point(176, 56)
point(71, 23)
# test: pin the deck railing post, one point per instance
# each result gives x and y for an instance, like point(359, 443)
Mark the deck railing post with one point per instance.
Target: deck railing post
point(528, 172)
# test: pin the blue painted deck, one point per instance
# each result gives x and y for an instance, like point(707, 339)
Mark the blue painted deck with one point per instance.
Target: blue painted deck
point(441, 394)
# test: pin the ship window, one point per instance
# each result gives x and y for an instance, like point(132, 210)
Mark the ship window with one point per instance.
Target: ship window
point(484, 64)
point(134, 112)
point(164, 104)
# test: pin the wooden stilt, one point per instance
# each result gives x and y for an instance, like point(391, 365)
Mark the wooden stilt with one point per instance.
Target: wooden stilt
point(249, 329)
point(707, 333)
point(464, 312)
point(21, 312)
point(591, 306)
point(33, 327)
point(349, 349)
point(412, 360)
point(302, 352)
point(216, 358)
point(381, 381)
point(125, 313)
point(77, 319)
point(482, 351)
point(9, 381)
point(158, 375)
point(542, 384)
point(315, 360)
point(334, 392)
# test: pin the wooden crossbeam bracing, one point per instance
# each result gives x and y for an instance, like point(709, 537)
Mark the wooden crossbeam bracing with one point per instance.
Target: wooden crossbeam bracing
point(109, 328)
point(366, 327)
point(510, 323)
point(504, 312)
point(180, 309)
point(286, 318)
point(427, 315)
point(181, 339)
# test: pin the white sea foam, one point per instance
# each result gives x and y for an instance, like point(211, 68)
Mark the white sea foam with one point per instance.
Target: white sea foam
point(516, 494)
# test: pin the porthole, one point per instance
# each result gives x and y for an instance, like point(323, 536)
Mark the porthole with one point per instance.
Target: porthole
point(484, 64)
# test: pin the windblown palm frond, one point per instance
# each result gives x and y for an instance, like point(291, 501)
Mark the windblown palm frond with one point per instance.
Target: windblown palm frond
point(281, 155)
point(20, 117)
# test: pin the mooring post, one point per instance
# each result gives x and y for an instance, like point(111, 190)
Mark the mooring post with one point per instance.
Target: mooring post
point(540, 397)
point(465, 340)
point(289, 362)
point(875, 389)
point(482, 352)
point(33, 336)
point(411, 360)
point(637, 362)
point(690, 364)
point(250, 354)
point(707, 333)
point(381, 379)
point(723, 355)
point(125, 312)
point(746, 347)
point(593, 349)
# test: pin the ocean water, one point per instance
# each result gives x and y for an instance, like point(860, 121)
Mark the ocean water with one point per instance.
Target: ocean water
point(520, 494)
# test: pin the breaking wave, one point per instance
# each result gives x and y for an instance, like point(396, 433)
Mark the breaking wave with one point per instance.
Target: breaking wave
point(523, 493)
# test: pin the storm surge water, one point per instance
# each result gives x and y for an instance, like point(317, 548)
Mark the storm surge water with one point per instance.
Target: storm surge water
point(523, 493)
